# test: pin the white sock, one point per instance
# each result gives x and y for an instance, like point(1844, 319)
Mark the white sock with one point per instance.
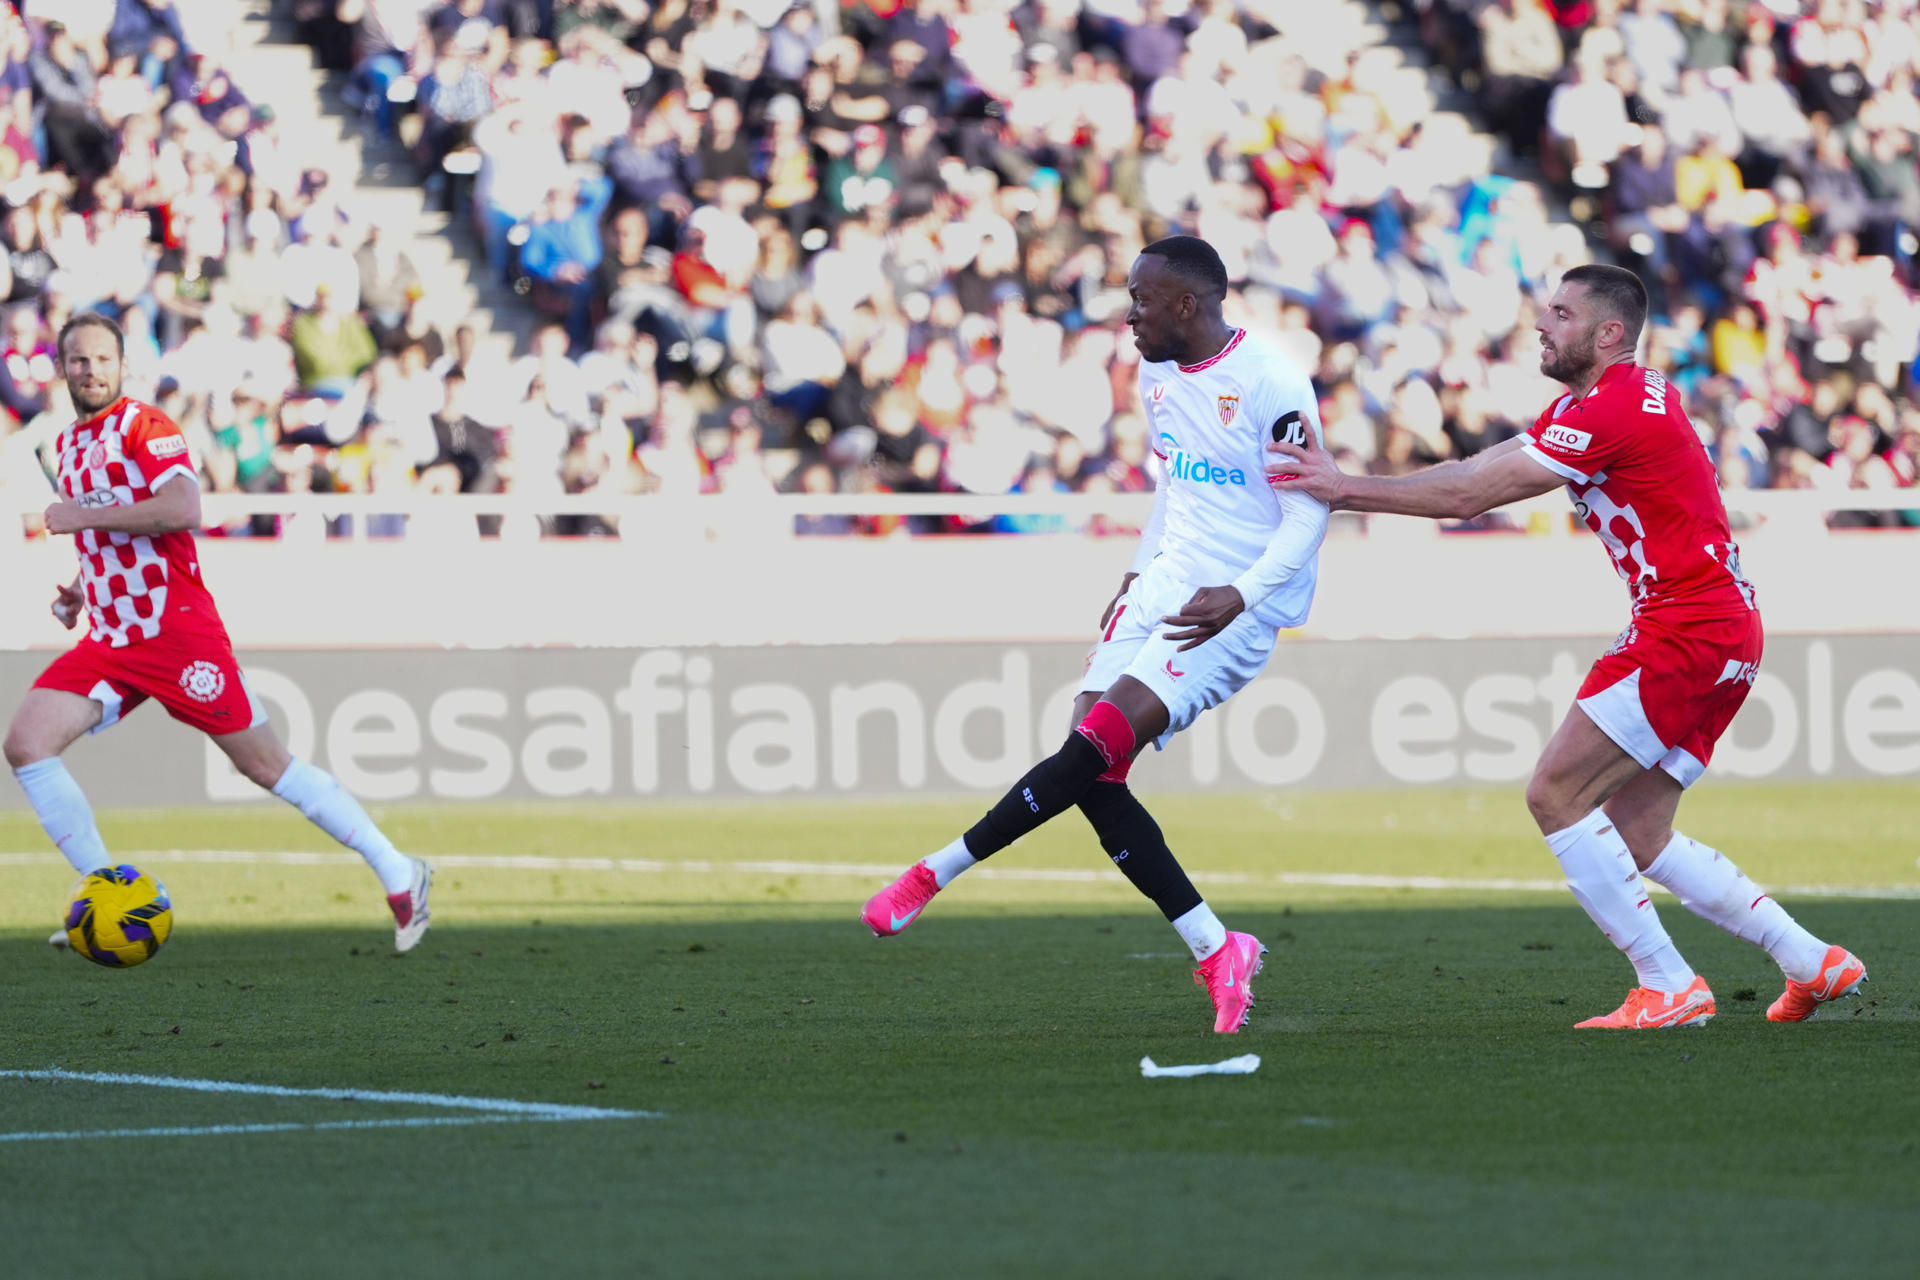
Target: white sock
point(328, 806)
point(1604, 880)
point(949, 862)
point(64, 812)
point(1202, 931)
point(1709, 885)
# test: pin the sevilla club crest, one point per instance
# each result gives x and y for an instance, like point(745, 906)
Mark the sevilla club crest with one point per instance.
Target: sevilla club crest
point(1229, 407)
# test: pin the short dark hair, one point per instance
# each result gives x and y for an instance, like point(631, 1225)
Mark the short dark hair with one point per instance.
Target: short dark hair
point(91, 320)
point(1192, 259)
point(1617, 290)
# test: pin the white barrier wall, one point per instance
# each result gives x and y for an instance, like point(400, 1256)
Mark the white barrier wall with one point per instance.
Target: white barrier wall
point(672, 587)
point(721, 667)
point(398, 725)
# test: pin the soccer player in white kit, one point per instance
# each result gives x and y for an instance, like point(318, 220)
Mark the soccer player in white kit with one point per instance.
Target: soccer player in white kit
point(1225, 560)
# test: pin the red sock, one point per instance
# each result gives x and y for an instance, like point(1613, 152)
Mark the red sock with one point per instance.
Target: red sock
point(1107, 729)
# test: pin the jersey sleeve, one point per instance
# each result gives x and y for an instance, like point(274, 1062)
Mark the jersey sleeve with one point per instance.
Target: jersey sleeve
point(155, 442)
point(1289, 412)
point(1579, 440)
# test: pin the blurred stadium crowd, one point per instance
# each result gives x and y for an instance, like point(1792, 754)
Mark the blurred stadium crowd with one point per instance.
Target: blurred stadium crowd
point(881, 245)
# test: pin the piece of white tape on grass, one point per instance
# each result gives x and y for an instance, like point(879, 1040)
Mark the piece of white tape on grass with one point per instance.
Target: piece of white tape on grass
point(1244, 1065)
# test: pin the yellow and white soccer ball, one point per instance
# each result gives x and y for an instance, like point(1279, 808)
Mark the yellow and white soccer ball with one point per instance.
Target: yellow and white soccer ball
point(119, 916)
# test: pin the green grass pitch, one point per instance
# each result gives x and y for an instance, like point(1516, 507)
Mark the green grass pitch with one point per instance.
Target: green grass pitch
point(963, 1100)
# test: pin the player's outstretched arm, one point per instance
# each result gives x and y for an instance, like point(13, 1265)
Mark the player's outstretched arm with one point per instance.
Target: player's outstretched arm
point(173, 508)
point(1447, 491)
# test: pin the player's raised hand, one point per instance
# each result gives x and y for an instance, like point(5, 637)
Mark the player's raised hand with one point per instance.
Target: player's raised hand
point(67, 603)
point(65, 517)
point(1305, 467)
point(1106, 615)
point(1205, 616)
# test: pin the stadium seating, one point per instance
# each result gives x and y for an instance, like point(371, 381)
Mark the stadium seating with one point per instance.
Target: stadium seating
point(880, 247)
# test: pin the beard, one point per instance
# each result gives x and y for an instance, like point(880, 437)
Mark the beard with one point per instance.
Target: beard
point(1568, 362)
point(89, 402)
point(1152, 352)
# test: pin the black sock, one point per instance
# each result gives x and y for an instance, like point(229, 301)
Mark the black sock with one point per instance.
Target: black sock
point(1132, 839)
point(1049, 789)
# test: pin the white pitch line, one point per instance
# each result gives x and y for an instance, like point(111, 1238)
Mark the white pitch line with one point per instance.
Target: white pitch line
point(208, 1130)
point(506, 1107)
point(884, 870)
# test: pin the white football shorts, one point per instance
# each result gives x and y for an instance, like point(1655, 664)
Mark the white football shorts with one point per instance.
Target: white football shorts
point(1134, 644)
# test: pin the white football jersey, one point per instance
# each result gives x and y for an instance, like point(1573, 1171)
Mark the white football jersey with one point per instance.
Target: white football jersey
point(1209, 425)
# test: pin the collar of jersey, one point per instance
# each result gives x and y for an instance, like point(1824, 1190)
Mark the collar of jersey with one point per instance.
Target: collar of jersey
point(1607, 375)
point(1217, 356)
point(101, 416)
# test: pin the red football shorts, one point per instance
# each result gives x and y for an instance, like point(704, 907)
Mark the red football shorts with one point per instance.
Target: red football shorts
point(1666, 692)
point(193, 675)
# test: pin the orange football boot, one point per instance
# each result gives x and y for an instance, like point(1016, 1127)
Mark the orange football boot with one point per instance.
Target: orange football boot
point(1645, 1010)
point(1841, 974)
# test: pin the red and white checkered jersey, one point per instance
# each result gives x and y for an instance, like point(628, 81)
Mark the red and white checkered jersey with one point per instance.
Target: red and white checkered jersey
point(114, 459)
point(1641, 479)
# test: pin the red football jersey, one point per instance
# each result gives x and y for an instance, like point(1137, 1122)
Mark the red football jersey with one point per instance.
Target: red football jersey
point(132, 582)
point(1643, 482)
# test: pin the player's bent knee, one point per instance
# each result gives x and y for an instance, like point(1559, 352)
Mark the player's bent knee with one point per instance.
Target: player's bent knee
point(32, 738)
point(1548, 805)
point(21, 750)
point(1108, 729)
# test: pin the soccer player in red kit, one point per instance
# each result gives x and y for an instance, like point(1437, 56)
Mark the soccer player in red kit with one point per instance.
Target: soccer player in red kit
point(1642, 730)
point(130, 498)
